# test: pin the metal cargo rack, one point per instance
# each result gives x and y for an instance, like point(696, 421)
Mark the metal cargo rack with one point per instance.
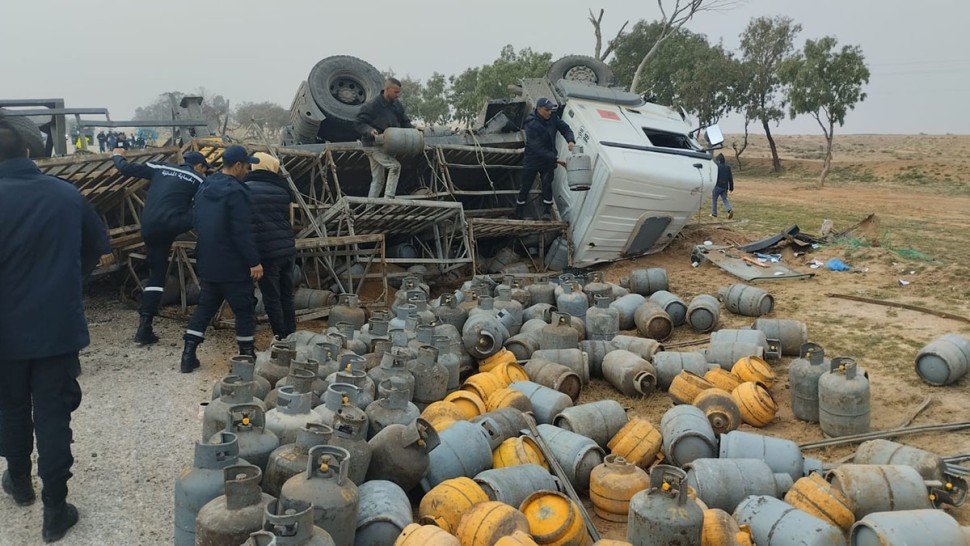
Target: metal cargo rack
point(492, 228)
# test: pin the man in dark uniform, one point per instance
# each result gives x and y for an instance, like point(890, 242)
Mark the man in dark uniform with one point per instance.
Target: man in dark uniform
point(273, 234)
point(541, 156)
point(50, 240)
point(374, 117)
point(724, 184)
point(102, 141)
point(167, 214)
point(226, 258)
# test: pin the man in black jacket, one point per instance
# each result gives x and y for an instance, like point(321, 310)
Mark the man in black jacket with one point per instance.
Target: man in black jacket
point(226, 258)
point(167, 214)
point(374, 117)
point(541, 156)
point(725, 184)
point(50, 240)
point(273, 235)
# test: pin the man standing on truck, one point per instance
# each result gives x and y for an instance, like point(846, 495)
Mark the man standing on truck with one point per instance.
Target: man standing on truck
point(540, 155)
point(375, 116)
point(167, 214)
point(725, 184)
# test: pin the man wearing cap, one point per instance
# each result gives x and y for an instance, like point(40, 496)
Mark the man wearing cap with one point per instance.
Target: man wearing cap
point(374, 117)
point(167, 214)
point(541, 156)
point(226, 258)
point(273, 235)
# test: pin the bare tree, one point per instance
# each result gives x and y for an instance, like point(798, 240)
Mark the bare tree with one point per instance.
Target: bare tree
point(683, 11)
point(597, 30)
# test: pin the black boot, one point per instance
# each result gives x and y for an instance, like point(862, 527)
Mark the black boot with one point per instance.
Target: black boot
point(145, 335)
point(57, 520)
point(20, 489)
point(547, 212)
point(519, 211)
point(189, 360)
point(247, 348)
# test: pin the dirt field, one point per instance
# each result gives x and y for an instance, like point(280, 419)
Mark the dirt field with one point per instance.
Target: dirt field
point(138, 421)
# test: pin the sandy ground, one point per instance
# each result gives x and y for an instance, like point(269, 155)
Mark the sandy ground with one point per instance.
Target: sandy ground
point(138, 421)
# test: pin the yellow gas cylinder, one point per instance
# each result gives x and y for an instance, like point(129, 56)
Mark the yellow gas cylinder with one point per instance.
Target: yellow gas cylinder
point(720, 408)
point(813, 494)
point(508, 398)
point(448, 501)
point(720, 529)
point(487, 522)
point(612, 485)
point(723, 379)
point(510, 372)
point(442, 415)
point(554, 519)
point(503, 356)
point(610, 542)
point(752, 368)
point(518, 451)
point(686, 386)
point(639, 442)
point(425, 535)
point(517, 538)
point(483, 384)
point(470, 404)
point(757, 406)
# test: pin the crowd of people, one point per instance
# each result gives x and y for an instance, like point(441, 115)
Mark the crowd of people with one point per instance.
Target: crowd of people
point(110, 140)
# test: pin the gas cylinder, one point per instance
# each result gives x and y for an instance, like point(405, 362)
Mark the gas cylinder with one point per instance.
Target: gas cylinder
point(722, 379)
point(770, 347)
point(686, 386)
point(546, 403)
point(518, 451)
point(334, 496)
point(652, 321)
point(687, 435)
point(442, 415)
point(577, 454)
point(302, 380)
point(672, 304)
point(791, 334)
point(703, 313)
point(720, 529)
point(541, 292)
point(420, 301)
point(485, 523)
point(468, 401)
point(555, 376)
point(382, 514)
point(203, 481)
point(325, 353)
point(596, 287)
point(393, 409)
point(663, 514)
point(399, 453)
point(646, 281)
point(333, 398)
point(445, 504)
point(599, 420)
point(595, 352)
point(230, 518)
point(881, 487)
point(317, 385)
point(289, 523)
point(554, 519)
point(483, 384)
point(292, 411)
point(450, 361)
point(463, 450)
point(502, 424)
point(423, 335)
point(449, 312)
point(574, 359)
point(629, 374)
point(602, 321)
point(638, 442)
point(843, 399)
point(776, 523)
point(347, 310)
point(504, 302)
point(376, 330)
point(234, 391)
point(517, 538)
point(508, 398)
point(373, 358)
point(430, 377)
point(612, 485)
point(931, 466)
point(509, 372)
point(669, 363)
point(645, 348)
point(572, 301)
point(277, 365)
point(627, 306)
point(254, 441)
point(483, 333)
point(579, 170)
point(944, 360)
point(720, 408)
point(351, 343)
point(394, 364)
point(817, 497)
point(726, 353)
point(512, 484)
point(724, 483)
point(923, 527)
point(781, 455)
point(749, 301)
point(426, 535)
point(803, 375)
point(244, 367)
point(752, 368)
point(757, 406)
point(289, 460)
point(520, 294)
point(523, 345)
point(350, 433)
point(559, 334)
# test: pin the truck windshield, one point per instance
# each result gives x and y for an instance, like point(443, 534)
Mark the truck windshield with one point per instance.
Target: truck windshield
point(664, 139)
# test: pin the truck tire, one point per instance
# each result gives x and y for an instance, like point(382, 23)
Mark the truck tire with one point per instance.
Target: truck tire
point(581, 68)
point(29, 132)
point(339, 86)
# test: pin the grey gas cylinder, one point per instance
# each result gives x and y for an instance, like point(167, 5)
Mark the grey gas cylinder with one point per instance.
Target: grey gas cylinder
point(724, 483)
point(703, 313)
point(602, 321)
point(774, 522)
point(289, 523)
point(652, 321)
point(952, 489)
point(595, 352)
point(430, 377)
point(503, 423)
point(234, 391)
point(905, 527)
point(203, 481)
point(277, 365)
point(230, 518)
point(572, 301)
point(646, 281)
point(512, 484)
point(574, 359)
point(577, 454)
point(843, 399)
point(627, 306)
point(945, 360)
point(579, 170)
point(803, 375)
point(336, 395)
point(463, 450)
point(546, 402)
point(781, 455)
point(646, 348)
point(350, 433)
point(333, 495)
point(791, 334)
point(599, 421)
point(394, 408)
point(687, 435)
point(749, 301)
point(880, 488)
point(289, 460)
point(255, 441)
point(290, 414)
point(559, 334)
point(399, 453)
point(770, 347)
point(383, 512)
point(663, 514)
point(726, 353)
point(244, 367)
point(302, 380)
point(670, 363)
point(629, 374)
point(672, 304)
point(555, 376)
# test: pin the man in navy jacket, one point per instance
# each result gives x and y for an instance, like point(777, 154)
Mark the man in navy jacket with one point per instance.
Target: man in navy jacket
point(226, 258)
point(273, 234)
point(374, 117)
point(167, 214)
point(50, 240)
point(541, 156)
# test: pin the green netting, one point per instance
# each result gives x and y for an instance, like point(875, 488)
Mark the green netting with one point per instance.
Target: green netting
point(903, 252)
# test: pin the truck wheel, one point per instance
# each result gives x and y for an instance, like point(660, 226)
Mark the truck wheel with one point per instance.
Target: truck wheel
point(581, 68)
point(29, 132)
point(340, 84)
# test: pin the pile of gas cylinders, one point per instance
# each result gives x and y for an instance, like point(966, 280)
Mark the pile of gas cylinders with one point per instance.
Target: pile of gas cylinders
point(456, 421)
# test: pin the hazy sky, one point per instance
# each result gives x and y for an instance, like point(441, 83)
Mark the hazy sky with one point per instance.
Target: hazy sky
point(122, 54)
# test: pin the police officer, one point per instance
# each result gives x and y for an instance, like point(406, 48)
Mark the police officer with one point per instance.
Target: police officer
point(226, 257)
point(540, 155)
point(374, 117)
point(50, 240)
point(167, 214)
point(273, 234)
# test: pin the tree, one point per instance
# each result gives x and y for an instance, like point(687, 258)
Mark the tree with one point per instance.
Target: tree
point(214, 107)
point(433, 105)
point(270, 116)
point(825, 83)
point(471, 89)
point(679, 15)
point(597, 22)
point(765, 44)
